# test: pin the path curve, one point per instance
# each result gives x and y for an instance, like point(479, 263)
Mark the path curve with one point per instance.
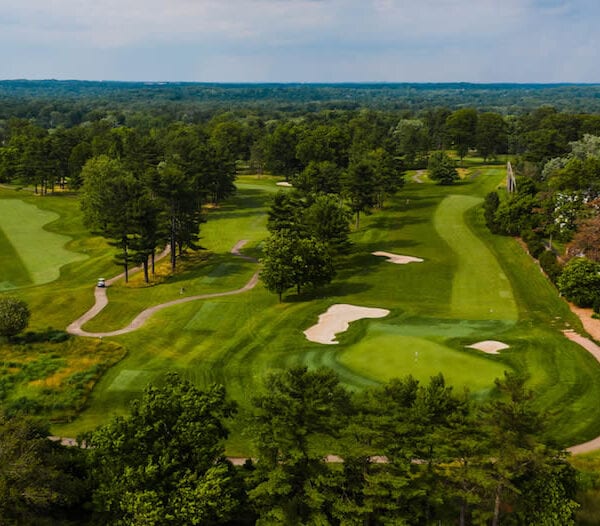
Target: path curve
point(594, 349)
point(417, 177)
point(140, 319)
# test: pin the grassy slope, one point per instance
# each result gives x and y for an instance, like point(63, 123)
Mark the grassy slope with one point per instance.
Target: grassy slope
point(235, 340)
point(14, 274)
point(57, 303)
point(41, 252)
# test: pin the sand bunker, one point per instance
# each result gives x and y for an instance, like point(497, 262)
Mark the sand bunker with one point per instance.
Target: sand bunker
point(397, 258)
point(337, 319)
point(283, 183)
point(489, 346)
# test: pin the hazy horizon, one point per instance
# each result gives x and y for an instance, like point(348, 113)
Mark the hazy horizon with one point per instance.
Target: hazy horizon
point(302, 41)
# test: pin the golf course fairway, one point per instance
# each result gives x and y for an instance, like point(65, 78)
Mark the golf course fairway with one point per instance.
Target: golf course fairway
point(30, 255)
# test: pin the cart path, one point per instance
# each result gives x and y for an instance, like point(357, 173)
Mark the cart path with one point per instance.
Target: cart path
point(417, 177)
point(140, 319)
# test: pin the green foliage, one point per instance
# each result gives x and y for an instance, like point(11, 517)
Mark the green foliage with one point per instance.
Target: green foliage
point(491, 135)
point(441, 168)
point(40, 481)
point(14, 316)
point(327, 218)
point(412, 454)
point(549, 263)
point(279, 266)
point(490, 205)
point(413, 141)
point(514, 214)
point(359, 187)
point(290, 260)
point(295, 410)
point(580, 282)
point(164, 463)
point(319, 177)
point(462, 129)
point(42, 376)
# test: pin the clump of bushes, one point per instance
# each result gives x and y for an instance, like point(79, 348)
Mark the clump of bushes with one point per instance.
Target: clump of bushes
point(550, 265)
point(534, 242)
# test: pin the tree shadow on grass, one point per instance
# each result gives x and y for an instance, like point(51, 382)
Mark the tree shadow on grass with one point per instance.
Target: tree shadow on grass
point(385, 223)
point(231, 214)
point(364, 262)
point(334, 290)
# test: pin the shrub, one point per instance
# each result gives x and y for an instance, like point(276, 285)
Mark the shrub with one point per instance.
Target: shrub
point(580, 282)
point(536, 248)
point(14, 316)
point(550, 265)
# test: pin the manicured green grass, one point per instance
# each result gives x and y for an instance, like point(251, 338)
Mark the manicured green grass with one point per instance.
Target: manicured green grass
point(480, 289)
point(436, 308)
point(384, 353)
point(42, 253)
point(13, 274)
point(59, 302)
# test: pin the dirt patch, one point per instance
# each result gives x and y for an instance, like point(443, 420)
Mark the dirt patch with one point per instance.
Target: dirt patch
point(489, 346)
point(397, 258)
point(337, 319)
point(591, 325)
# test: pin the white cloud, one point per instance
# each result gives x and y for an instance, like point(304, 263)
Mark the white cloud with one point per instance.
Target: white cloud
point(311, 40)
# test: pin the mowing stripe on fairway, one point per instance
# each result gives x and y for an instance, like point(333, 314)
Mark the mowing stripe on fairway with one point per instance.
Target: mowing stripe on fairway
point(131, 380)
point(480, 289)
point(13, 272)
point(42, 252)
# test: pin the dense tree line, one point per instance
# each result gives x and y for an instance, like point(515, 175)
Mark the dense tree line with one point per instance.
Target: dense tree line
point(558, 200)
point(143, 184)
point(401, 453)
point(68, 103)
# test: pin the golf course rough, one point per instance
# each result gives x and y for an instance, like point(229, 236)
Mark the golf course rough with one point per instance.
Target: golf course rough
point(36, 254)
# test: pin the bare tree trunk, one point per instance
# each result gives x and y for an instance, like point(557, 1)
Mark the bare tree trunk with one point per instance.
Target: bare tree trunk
point(152, 256)
point(126, 264)
point(173, 247)
point(496, 519)
point(146, 278)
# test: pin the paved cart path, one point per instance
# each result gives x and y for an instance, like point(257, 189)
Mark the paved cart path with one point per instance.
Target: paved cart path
point(102, 300)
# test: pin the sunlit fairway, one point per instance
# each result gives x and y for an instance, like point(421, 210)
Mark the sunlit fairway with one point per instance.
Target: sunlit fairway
point(29, 253)
point(471, 286)
point(384, 353)
point(480, 289)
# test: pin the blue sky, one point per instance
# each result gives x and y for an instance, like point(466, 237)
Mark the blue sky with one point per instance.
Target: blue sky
point(302, 40)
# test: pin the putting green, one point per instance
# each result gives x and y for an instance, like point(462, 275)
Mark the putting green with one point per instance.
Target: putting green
point(384, 354)
point(39, 253)
point(480, 289)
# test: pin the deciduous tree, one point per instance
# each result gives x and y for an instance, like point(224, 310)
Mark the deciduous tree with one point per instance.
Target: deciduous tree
point(441, 168)
point(164, 464)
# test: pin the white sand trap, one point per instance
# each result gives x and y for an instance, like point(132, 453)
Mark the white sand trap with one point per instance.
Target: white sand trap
point(337, 319)
point(283, 183)
point(489, 346)
point(397, 258)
